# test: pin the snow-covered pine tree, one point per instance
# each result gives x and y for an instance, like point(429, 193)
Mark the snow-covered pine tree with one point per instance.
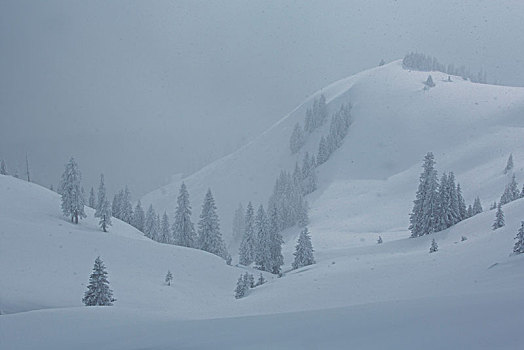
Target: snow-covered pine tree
point(3, 168)
point(92, 200)
point(98, 292)
point(309, 177)
point(126, 209)
point(239, 222)
point(297, 139)
point(165, 232)
point(499, 218)
point(117, 204)
point(493, 206)
point(429, 82)
point(138, 217)
point(477, 206)
point(434, 246)
point(247, 246)
point(509, 164)
point(169, 278)
point(242, 288)
point(445, 215)
point(71, 190)
point(381, 63)
point(470, 211)
point(261, 280)
point(518, 248)
point(149, 223)
point(522, 192)
point(262, 244)
point(276, 241)
point(463, 210)
point(183, 228)
point(455, 209)
point(249, 279)
point(209, 236)
point(511, 192)
point(424, 214)
point(379, 240)
point(323, 151)
point(103, 208)
point(303, 250)
point(157, 227)
point(308, 124)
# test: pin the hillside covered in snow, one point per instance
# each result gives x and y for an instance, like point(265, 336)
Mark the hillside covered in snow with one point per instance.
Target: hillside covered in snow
point(359, 294)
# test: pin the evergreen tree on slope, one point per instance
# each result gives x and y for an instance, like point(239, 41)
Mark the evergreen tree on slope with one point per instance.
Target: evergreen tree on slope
point(3, 168)
point(297, 139)
point(98, 292)
point(165, 233)
point(477, 206)
point(149, 223)
point(423, 218)
point(71, 190)
point(463, 211)
point(519, 244)
point(138, 217)
point(126, 209)
point(239, 222)
point(509, 164)
point(183, 229)
point(103, 208)
point(303, 251)
point(275, 239)
point(499, 218)
point(246, 251)
point(209, 236)
point(262, 244)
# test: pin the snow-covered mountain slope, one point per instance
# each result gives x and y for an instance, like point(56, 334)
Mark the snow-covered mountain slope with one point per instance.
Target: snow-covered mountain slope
point(368, 185)
point(45, 261)
point(392, 295)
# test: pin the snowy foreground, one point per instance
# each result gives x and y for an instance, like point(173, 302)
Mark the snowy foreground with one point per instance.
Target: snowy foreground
point(393, 295)
point(359, 294)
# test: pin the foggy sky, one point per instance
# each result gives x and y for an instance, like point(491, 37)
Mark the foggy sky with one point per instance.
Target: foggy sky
point(142, 90)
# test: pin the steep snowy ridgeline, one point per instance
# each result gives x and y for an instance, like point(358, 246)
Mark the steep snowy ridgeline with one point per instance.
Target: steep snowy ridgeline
point(45, 261)
point(368, 185)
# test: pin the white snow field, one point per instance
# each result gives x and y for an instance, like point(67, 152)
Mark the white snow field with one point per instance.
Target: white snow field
point(359, 295)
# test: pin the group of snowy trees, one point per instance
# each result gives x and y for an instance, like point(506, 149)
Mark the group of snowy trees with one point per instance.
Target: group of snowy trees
point(261, 242)
point(245, 282)
point(438, 206)
point(315, 118)
point(421, 62)
point(338, 129)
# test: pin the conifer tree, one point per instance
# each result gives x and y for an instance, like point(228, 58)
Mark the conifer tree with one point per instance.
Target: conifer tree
point(169, 278)
point(455, 209)
point(308, 176)
point(3, 168)
point(138, 217)
point(276, 241)
point(149, 223)
point(249, 280)
point(126, 209)
point(157, 228)
point(522, 192)
point(463, 211)
point(297, 139)
point(445, 215)
point(477, 206)
point(261, 280)
point(209, 236)
point(92, 200)
point(423, 218)
point(511, 192)
point(98, 292)
point(379, 240)
point(103, 209)
point(470, 211)
point(239, 222)
point(509, 164)
point(246, 251)
point(519, 244)
point(434, 246)
point(183, 228)
point(242, 288)
point(499, 218)
point(303, 251)
point(493, 206)
point(116, 205)
point(71, 190)
point(262, 244)
point(165, 233)
point(429, 82)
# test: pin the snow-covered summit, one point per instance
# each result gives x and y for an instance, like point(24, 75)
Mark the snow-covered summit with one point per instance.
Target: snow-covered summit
point(369, 183)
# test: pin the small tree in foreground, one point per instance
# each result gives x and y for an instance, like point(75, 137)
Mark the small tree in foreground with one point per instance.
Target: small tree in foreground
point(303, 251)
point(71, 190)
point(169, 278)
point(379, 240)
point(499, 218)
point(98, 292)
point(242, 286)
point(261, 280)
point(434, 246)
point(519, 244)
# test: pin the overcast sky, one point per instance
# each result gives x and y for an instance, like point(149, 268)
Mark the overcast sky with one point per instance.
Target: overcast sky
point(142, 90)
